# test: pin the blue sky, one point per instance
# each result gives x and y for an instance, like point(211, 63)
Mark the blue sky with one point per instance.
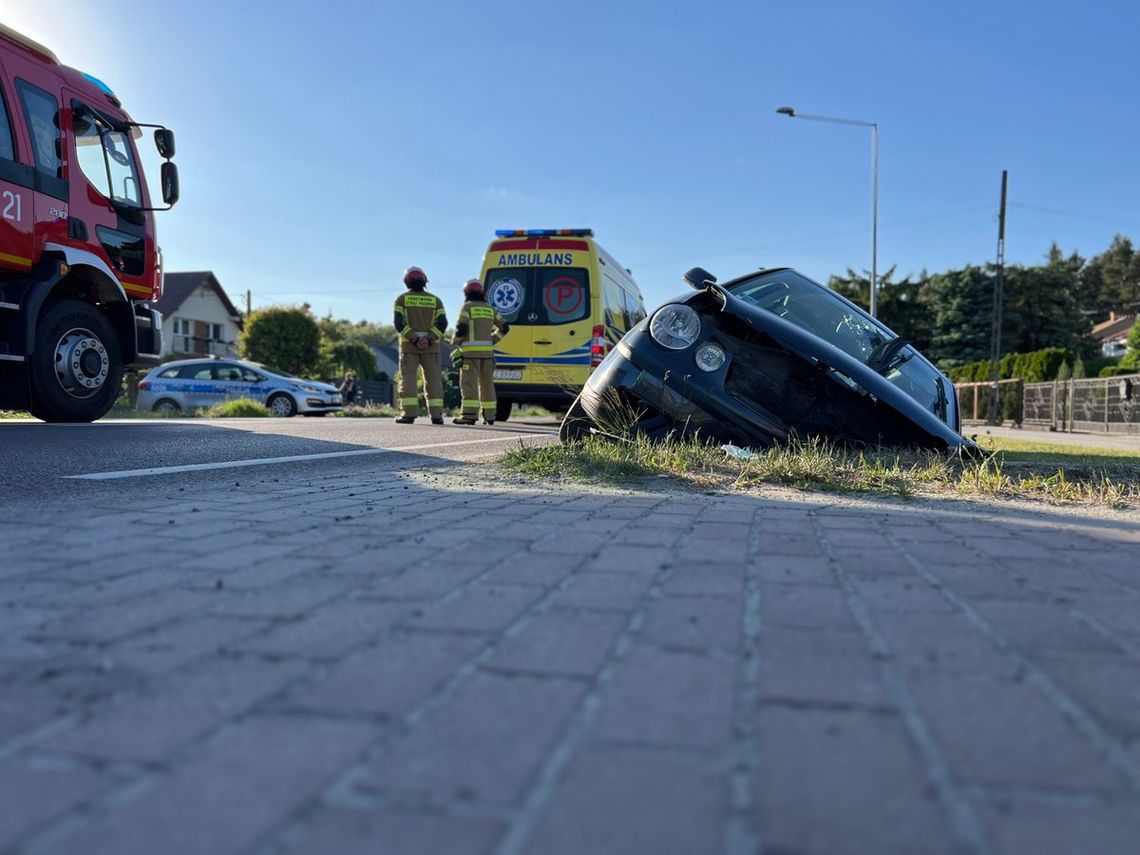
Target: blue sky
point(325, 147)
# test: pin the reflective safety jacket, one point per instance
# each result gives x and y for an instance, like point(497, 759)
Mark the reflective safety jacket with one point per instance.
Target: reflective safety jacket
point(478, 329)
point(419, 313)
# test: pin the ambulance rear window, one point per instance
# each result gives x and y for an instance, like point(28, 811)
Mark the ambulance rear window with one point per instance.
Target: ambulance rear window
point(539, 296)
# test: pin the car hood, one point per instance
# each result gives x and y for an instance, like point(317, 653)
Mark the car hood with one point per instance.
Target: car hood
point(816, 351)
point(316, 384)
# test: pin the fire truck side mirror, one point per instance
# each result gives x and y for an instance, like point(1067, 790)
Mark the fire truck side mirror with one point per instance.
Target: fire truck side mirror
point(169, 183)
point(164, 142)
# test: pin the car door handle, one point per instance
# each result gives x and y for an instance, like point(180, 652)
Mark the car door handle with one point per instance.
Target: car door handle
point(542, 341)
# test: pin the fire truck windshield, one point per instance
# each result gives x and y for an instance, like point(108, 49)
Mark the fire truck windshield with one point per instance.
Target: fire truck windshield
point(107, 160)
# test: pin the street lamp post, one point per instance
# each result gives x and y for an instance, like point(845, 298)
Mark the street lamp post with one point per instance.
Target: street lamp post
point(792, 114)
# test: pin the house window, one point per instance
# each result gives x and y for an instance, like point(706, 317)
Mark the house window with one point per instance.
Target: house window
point(214, 332)
point(181, 326)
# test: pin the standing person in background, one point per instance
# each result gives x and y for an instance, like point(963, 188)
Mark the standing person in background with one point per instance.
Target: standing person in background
point(421, 322)
point(348, 388)
point(477, 331)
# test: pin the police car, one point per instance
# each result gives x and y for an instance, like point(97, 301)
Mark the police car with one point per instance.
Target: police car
point(192, 383)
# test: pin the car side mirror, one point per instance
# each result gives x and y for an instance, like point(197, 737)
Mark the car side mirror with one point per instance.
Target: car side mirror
point(164, 142)
point(169, 177)
point(699, 278)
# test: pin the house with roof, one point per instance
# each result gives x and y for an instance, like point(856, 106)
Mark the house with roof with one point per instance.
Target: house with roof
point(387, 359)
point(198, 317)
point(1112, 334)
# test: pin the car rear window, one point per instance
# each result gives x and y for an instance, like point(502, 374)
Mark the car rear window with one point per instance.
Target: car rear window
point(169, 372)
point(539, 296)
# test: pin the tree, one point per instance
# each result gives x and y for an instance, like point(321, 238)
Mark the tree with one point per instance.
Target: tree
point(1112, 279)
point(351, 354)
point(1131, 358)
point(1041, 307)
point(285, 338)
point(340, 329)
point(960, 303)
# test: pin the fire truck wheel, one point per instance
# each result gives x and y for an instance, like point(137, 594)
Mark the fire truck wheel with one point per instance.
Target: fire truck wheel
point(282, 405)
point(77, 367)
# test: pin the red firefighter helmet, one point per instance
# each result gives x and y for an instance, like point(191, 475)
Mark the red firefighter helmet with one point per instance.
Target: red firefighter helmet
point(414, 277)
point(473, 289)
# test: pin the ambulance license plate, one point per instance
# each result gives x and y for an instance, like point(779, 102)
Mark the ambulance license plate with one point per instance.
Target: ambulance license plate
point(508, 374)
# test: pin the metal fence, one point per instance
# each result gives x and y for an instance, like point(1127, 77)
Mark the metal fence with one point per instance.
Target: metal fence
point(376, 392)
point(974, 400)
point(1101, 404)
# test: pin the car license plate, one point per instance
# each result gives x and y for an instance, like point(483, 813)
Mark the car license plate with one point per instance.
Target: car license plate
point(508, 374)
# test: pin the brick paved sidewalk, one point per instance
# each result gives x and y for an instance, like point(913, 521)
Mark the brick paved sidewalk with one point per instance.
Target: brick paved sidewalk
point(284, 670)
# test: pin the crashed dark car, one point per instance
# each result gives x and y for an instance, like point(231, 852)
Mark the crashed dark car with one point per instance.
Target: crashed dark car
point(765, 358)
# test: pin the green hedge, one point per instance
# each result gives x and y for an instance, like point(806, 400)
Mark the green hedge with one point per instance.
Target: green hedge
point(1034, 367)
point(1116, 371)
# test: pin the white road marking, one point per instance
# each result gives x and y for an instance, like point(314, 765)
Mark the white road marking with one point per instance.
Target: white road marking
point(265, 461)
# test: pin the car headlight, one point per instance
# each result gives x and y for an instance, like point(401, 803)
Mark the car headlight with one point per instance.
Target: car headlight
point(312, 389)
point(675, 327)
point(710, 357)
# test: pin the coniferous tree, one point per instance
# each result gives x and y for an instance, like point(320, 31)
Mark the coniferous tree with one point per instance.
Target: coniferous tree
point(961, 306)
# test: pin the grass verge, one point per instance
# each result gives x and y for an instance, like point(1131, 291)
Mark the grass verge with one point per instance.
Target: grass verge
point(1065, 477)
point(239, 408)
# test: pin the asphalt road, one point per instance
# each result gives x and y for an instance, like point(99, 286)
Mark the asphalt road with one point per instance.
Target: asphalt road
point(42, 462)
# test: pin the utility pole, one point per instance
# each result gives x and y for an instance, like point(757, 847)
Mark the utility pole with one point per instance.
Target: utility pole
point(995, 337)
point(248, 303)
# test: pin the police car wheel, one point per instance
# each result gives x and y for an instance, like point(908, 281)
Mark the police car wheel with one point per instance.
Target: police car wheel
point(77, 367)
point(282, 405)
point(166, 406)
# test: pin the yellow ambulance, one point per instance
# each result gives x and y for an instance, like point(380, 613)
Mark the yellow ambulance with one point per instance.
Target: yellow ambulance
point(567, 302)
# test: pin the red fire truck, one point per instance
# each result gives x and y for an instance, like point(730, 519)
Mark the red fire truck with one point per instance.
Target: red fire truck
point(78, 258)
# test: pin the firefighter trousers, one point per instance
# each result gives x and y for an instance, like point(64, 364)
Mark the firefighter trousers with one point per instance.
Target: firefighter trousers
point(477, 385)
point(410, 365)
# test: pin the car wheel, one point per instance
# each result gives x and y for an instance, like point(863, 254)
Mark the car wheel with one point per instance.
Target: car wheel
point(166, 405)
point(503, 409)
point(282, 405)
point(77, 366)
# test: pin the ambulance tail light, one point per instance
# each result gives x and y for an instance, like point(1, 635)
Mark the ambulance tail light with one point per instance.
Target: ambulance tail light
point(598, 347)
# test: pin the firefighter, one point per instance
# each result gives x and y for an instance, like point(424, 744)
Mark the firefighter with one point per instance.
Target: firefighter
point(477, 331)
point(421, 323)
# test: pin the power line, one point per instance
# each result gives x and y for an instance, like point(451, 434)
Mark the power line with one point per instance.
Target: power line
point(1043, 209)
point(727, 253)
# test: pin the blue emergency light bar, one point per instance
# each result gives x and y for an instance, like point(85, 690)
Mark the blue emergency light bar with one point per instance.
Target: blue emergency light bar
point(544, 232)
point(103, 86)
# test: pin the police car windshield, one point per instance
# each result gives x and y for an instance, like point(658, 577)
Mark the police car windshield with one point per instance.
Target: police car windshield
point(269, 369)
point(818, 310)
point(539, 296)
